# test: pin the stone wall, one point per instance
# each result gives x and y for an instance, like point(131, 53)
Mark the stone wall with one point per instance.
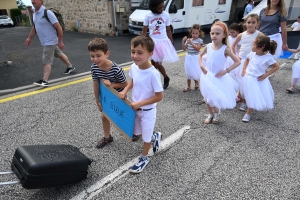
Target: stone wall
point(95, 16)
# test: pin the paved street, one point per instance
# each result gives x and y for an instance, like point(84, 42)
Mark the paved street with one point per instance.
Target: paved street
point(230, 160)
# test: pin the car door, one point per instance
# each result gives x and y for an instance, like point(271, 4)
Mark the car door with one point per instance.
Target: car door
point(177, 14)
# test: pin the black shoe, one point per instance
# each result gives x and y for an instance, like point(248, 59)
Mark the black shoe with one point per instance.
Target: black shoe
point(166, 82)
point(69, 70)
point(104, 141)
point(42, 83)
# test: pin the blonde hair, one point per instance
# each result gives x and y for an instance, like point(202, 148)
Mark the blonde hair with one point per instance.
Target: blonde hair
point(280, 6)
point(225, 29)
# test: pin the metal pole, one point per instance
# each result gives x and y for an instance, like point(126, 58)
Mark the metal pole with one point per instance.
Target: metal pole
point(115, 20)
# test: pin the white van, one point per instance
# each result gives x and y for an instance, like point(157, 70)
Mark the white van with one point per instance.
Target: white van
point(184, 13)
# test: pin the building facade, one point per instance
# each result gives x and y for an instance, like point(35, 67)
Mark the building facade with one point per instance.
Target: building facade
point(6, 5)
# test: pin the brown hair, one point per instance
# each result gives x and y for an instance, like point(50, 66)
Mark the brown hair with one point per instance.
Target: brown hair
point(253, 16)
point(197, 27)
point(98, 44)
point(264, 42)
point(225, 29)
point(280, 6)
point(237, 27)
point(144, 41)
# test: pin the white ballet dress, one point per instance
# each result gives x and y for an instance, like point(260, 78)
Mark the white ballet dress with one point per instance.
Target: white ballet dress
point(235, 72)
point(259, 95)
point(191, 63)
point(296, 72)
point(217, 92)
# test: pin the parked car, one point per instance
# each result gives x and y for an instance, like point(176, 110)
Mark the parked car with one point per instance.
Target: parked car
point(6, 21)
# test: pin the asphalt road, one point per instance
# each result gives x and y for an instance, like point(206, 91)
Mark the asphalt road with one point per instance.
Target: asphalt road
point(230, 160)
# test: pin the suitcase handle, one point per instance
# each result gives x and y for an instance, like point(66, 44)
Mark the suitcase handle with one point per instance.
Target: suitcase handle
point(10, 182)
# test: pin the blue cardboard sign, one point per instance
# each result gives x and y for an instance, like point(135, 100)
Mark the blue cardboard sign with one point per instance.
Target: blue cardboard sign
point(117, 110)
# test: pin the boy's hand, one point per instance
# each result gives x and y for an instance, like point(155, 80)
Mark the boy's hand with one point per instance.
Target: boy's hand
point(135, 105)
point(99, 106)
point(107, 82)
point(122, 95)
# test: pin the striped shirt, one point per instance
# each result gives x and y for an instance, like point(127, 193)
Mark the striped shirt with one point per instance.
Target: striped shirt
point(114, 75)
point(190, 49)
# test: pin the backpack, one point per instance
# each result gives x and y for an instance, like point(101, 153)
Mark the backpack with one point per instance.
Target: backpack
point(58, 16)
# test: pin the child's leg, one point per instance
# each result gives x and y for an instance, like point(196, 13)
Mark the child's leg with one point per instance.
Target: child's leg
point(293, 83)
point(210, 115)
point(146, 148)
point(249, 111)
point(106, 126)
point(216, 117)
point(247, 117)
point(196, 85)
point(162, 70)
point(188, 86)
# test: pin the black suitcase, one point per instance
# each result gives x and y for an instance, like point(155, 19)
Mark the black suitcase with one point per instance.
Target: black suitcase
point(42, 166)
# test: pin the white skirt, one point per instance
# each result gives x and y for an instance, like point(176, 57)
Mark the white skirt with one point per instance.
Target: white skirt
point(296, 72)
point(236, 73)
point(259, 95)
point(192, 67)
point(164, 50)
point(218, 92)
point(278, 39)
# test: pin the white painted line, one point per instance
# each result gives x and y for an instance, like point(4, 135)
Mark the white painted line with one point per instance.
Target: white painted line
point(124, 170)
point(282, 65)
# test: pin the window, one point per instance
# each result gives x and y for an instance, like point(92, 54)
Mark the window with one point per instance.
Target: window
point(179, 4)
point(198, 3)
point(222, 2)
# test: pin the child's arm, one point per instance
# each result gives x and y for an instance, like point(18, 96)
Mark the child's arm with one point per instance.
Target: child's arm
point(169, 33)
point(196, 47)
point(203, 52)
point(235, 59)
point(96, 93)
point(238, 39)
point(144, 31)
point(294, 50)
point(274, 69)
point(184, 47)
point(123, 94)
point(156, 98)
point(245, 66)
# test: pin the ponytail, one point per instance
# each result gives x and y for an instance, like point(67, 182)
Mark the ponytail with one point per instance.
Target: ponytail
point(273, 47)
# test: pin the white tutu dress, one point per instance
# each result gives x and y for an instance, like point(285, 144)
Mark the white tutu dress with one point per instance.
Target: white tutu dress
point(259, 95)
point(191, 63)
point(296, 72)
point(217, 92)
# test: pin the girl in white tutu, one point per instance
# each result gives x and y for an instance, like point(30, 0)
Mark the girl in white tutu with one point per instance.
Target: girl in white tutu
point(256, 88)
point(296, 73)
point(158, 22)
point(217, 87)
point(191, 64)
point(245, 38)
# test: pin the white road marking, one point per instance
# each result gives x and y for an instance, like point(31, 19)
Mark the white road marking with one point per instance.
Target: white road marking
point(282, 65)
point(124, 170)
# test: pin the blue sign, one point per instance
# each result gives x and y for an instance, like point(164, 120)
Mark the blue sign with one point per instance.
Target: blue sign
point(117, 110)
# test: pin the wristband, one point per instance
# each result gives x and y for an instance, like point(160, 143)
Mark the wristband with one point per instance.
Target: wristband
point(227, 70)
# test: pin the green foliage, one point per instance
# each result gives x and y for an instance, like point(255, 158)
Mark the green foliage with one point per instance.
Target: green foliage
point(21, 5)
point(74, 28)
point(25, 20)
point(15, 12)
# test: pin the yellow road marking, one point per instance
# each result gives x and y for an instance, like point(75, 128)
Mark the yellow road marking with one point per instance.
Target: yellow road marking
point(19, 96)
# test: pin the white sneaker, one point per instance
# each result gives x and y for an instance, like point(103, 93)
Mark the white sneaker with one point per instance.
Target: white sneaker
point(246, 118)
point(243, 107)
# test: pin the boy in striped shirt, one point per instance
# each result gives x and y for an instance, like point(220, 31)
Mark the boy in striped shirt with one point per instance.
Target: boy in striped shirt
point(112, 75)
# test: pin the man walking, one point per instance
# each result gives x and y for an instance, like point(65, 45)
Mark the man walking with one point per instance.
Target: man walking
point(51, 37)
point(248, 7)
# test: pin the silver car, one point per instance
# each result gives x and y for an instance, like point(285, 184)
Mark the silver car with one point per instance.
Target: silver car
point(6, 21)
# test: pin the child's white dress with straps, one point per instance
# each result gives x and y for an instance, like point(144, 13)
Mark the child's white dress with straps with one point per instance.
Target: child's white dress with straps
point(217, 92)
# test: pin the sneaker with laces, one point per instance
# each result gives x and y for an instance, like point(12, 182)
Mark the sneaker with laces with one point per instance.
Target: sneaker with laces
point(140, 165)
point(104, 141)
point(42, 83)
point(246, 118)
point(156, 138)
point(166, 82)
point(243, 107)
point(69, 70)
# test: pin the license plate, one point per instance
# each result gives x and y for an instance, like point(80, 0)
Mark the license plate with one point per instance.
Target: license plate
point(137, 32)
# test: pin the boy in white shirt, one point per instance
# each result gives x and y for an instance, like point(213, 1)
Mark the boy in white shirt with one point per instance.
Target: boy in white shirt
point(296, 25)
point(146, 91)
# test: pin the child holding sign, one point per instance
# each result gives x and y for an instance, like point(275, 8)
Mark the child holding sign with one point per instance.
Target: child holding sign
point(146, 91)
point(112, 75)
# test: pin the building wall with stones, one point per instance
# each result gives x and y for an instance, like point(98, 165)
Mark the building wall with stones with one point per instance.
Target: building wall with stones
point(95, 16)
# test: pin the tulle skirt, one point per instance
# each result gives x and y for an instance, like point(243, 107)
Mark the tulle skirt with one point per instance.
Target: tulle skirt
point(218, 92)
point(259, 95)
point(192, 67)
point(164, 50)
point(296, 72)
point(236, 73)
point(278, 39)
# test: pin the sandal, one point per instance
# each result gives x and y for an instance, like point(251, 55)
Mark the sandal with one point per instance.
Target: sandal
point(208, 119)
point(186, 89)
point(216, 118)
point(290, 90)
point(104, 141)
point(202, 101)
point(135, 137)
point(196, 85)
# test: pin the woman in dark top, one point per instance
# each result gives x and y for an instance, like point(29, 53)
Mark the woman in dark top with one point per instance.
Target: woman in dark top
point(272, 18)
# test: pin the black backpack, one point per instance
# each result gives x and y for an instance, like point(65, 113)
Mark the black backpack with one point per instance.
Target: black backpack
point(58, 16)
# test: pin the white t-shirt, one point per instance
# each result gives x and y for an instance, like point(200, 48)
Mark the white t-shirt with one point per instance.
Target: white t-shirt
point(145, 83)
point(296, 26)
point(258, 64)
point(157, 24)
point(231, 41)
